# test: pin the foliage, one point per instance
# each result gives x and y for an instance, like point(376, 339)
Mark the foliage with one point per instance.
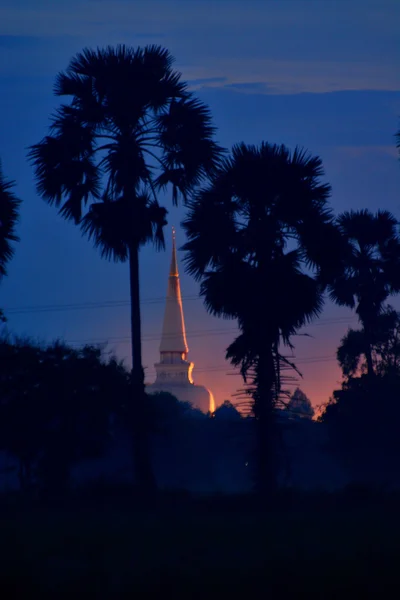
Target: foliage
point(227, 411)
point(356, 411)
point(9, 207)
point(384, 344)
point(166, 410)
point(263, 218)
point(9, 214)
point(259, 236)
point(56, 404)
point(300, 405)
point(362, 420)
point(371, 271)
point(131, 128)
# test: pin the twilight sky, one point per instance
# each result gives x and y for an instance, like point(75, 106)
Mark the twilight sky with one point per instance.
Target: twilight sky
point(321, 74)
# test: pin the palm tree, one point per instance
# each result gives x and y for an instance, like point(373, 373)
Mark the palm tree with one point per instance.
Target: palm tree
point(372, 268)
point(384, 347)
point(9, 205)
point(251, 233)
point(131, 128)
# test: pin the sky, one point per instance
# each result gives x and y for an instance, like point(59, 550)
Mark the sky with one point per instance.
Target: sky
point(320, 74)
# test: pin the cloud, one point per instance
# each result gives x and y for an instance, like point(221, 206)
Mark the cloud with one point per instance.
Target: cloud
point(206, 81)
point(255, 87)
point(368, 151)
point(269, 47)
point(268, 76)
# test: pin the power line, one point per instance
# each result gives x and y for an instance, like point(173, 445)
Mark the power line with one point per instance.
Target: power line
point(88, 305)
point(235, 371)
point(123, 303)
point(153, 337)
point(61, 308)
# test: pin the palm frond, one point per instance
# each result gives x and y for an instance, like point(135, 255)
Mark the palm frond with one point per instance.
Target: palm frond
point(103, 225)
point(342, 291)
point(241, 229)
point(157, 216)
point(126, 167)
point(64, 175)
point(241, 352)
point(225, 289)
point(130, 124)
point(371, 270)
point(187, 164)
point(114, 225)
point(9, 216)
point(310, 167)
point(210, 217)
point(358, 226)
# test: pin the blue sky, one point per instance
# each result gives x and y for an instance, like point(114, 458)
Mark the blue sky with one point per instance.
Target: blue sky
point(321, 74)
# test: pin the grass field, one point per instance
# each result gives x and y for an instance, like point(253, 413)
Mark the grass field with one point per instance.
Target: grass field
point(214, 548)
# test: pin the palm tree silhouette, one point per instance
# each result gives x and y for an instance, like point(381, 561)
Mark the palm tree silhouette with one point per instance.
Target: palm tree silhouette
point(130, 130)
point(9, 205)
point(9, 214)
point(251, 233)
point(372, 269)
point(385, 346)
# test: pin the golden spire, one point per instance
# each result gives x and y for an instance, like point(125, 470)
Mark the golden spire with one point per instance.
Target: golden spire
point(173, 272)
point(173, 337)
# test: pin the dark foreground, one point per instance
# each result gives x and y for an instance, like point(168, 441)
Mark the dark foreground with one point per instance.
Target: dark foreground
point(100, 546)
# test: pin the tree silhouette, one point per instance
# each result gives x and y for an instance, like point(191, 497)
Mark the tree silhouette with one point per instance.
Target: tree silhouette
point(130, 130)
point(165, 409)
point(227, 412)
point(362, 420)
point(9, 206)
point(252, 233)
point(55, 407)
point(300, 405)
point(372, 269)
point(384, 347)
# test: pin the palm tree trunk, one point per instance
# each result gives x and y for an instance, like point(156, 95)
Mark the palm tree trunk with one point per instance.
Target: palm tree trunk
point(138, 413)
point(368, 350)
point(264, 412)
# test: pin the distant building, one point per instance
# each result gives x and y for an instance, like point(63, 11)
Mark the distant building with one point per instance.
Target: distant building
point(174, 371)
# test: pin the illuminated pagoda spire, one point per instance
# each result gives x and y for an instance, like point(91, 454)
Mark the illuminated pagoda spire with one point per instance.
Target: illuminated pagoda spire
point(173, 338)
point(174, 370)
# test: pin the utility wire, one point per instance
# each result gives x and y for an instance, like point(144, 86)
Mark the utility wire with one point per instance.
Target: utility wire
point(87, 305)
point(122, 303)
point(232, 371)
point(154, 337)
